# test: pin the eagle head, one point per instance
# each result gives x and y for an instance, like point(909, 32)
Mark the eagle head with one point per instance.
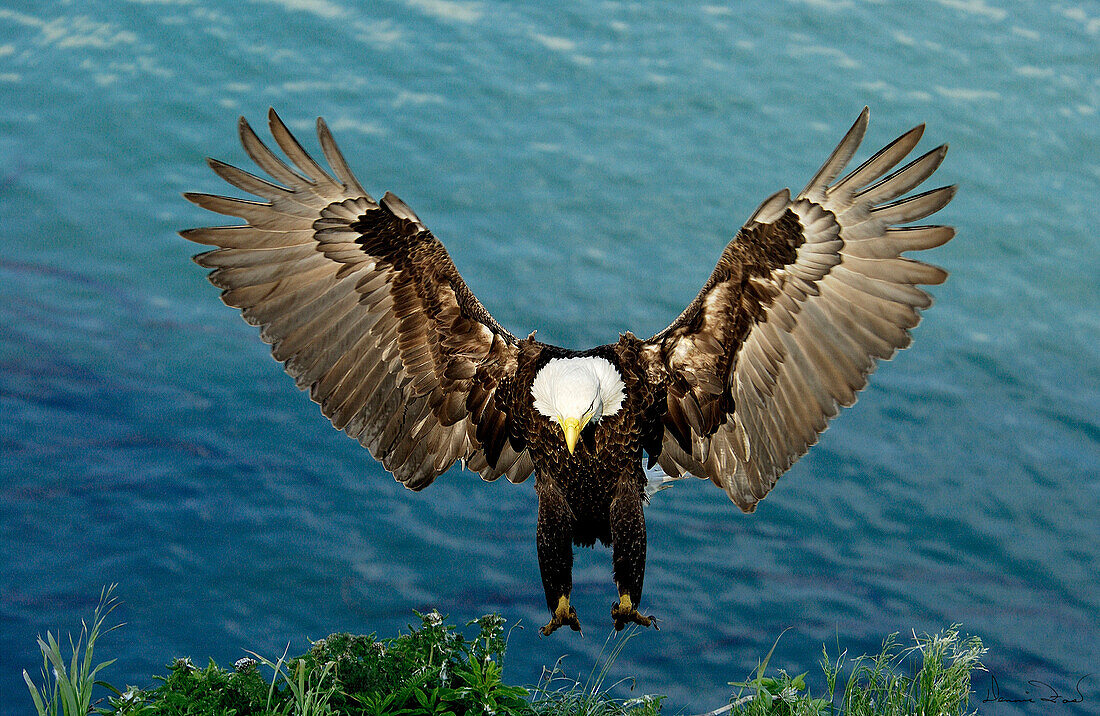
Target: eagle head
point(575, 391)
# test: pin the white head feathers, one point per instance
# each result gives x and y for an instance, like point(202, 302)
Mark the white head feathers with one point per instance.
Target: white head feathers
point(578, 387)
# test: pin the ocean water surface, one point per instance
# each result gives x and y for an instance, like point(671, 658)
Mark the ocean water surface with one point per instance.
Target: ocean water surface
point(584, 164)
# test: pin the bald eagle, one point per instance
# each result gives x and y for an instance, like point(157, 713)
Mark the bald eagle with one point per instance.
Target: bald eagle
point(366, 311)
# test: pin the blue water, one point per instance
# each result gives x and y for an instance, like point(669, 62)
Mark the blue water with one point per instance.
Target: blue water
point(585, 165)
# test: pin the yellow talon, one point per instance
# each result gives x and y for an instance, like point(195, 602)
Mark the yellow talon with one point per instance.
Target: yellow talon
point(563, 615)
point(623, 612)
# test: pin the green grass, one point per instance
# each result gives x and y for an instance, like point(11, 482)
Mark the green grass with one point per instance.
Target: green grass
point(929, 678)
point(437, 670)
point(68, 690)
point(558, 694)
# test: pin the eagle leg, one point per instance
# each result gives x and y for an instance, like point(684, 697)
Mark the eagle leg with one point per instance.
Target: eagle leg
point(628, 550)
point(554, 536)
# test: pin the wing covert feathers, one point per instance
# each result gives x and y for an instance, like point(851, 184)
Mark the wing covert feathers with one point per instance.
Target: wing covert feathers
point(809, 295)
point(365, 309)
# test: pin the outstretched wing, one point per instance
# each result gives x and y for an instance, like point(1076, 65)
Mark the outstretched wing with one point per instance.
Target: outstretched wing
point(365, 309)
point(809, 295)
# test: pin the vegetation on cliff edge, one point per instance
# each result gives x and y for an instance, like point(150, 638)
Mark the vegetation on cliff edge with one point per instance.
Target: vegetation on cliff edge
point(436, 670)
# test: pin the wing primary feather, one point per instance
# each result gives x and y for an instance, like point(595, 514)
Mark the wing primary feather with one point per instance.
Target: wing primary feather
point(881, 162)
point(265, 158)
point(259, 214)
point(249, 182)
point(265, 273)
point(294, 151)
point(897, 270)
point(839, 158)
point(904, 179)
point(904, 294)
point(914, 207)
point(243, 258)
point(336, 160)
point(246, 237)
point(899, 239)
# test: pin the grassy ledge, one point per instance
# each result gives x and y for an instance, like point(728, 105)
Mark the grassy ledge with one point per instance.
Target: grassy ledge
point(436, 670)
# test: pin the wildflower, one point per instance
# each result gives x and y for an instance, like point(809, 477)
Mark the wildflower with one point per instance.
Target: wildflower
point(433, 618)
point(184, 663)
point(244, 665)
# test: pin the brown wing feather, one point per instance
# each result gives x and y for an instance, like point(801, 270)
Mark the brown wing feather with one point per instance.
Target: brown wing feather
point(807, 297)
point(366, 310)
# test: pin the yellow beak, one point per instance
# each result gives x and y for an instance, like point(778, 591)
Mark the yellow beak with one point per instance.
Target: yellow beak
point(572, 429)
